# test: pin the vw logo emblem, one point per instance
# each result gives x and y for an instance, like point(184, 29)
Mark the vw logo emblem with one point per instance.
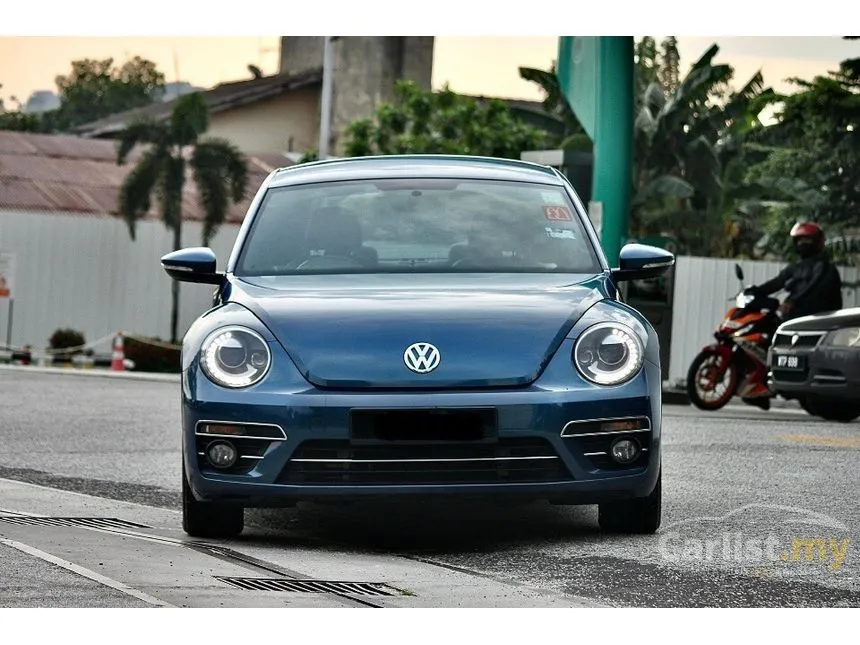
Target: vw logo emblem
point(795, 338)
point(422, 357)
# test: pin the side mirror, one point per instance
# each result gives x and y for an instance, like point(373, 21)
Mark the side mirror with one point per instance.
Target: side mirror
point(739, 272)
point(192, 265)
point(642, 262)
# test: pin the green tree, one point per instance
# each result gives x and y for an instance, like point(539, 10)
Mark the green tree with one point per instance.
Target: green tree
point(97, 88)
point(421, 122)
point(689, 151)
point(218, 168)
point(93, 89)
point(669, 73)
point(812, 169)
point(647, 61)
point(556, 104)
point(689, 146)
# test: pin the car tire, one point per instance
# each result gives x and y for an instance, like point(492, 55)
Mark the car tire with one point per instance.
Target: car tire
point(808, 406)
point(692, 383)
point(830, 410)
point(636, 516)
point(209, 519)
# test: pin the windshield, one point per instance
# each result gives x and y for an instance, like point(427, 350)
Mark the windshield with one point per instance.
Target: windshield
point(416, 226)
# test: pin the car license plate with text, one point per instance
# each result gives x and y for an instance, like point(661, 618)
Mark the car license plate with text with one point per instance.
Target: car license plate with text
point(788, 361)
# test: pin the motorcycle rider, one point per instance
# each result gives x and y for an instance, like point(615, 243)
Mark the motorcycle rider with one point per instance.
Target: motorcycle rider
point(813, 284)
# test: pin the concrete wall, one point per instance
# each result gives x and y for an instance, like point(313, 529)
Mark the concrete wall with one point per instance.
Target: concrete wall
point(365, 71)
point(84, 272)
point(286, 123)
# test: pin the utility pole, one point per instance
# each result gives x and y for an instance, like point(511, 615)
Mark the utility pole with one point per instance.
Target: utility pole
point(326, 99)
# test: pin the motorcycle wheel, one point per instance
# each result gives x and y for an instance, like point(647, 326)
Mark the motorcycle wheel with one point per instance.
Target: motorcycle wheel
point(701, 385)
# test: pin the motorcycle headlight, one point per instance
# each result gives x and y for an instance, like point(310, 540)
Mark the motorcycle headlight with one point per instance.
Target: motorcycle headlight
point(845, 337)
point(608, 353)
point(235, 357)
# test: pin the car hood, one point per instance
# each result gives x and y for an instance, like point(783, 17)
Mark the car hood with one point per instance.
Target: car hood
point(352, 331)
point(824, 321)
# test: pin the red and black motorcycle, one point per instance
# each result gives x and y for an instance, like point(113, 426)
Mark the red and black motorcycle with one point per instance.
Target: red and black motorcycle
point(736, 364)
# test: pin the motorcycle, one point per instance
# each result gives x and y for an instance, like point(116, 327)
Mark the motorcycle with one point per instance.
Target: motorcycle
point(736, 364)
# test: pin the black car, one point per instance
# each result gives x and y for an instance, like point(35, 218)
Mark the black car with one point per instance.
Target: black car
point(816, 360)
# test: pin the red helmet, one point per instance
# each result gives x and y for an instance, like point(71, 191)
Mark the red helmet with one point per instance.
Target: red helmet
point(809, 229)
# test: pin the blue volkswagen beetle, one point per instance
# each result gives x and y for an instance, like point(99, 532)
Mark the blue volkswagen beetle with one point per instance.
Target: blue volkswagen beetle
point(419, 325)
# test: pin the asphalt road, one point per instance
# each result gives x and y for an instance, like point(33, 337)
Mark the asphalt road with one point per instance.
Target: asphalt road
point(759, 507)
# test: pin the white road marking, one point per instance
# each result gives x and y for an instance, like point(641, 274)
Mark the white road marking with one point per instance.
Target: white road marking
point(86, 573)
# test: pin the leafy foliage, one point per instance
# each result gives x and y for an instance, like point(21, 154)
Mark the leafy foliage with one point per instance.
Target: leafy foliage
point(689, 138)
point(421, 122)
point(812, 166)
point(92, 90)
point(218, 168)
point(66, 338)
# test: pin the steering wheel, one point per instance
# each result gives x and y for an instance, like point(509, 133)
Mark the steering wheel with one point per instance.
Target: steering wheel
point(328, 262)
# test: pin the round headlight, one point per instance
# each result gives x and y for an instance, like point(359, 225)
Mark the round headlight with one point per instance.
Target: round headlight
point(608, 353)
point(235, 357)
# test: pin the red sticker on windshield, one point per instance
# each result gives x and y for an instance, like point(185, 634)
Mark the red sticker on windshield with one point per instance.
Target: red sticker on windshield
point(557, 213)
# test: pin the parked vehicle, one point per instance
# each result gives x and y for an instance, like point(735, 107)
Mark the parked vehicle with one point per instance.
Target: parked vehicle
point(736, 363)
point(816, 360)
point(416, 325)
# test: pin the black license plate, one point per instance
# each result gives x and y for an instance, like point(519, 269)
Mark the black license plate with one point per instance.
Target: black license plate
point(425, 426)
point(789, 362)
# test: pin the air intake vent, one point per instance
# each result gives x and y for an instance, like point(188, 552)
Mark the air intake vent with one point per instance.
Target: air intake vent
point(310, 586)
point(87, 522)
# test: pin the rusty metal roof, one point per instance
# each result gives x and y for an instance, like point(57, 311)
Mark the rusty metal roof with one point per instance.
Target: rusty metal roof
point(221, 97)
point(70, 174)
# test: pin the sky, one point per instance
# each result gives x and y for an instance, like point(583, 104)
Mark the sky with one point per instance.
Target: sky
point(484, 65)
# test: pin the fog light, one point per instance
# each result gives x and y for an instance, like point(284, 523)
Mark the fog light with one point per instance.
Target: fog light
point(625, 451)
point(221, 454)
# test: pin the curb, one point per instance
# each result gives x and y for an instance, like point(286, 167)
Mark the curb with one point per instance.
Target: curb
point(91, 371)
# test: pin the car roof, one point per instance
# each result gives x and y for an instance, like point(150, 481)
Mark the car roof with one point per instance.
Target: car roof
point(425, 166)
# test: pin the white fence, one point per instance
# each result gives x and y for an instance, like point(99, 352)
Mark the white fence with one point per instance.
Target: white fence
point(85, 273)
point(704, 288)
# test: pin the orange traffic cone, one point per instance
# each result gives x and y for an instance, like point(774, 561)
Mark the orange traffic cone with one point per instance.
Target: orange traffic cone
point(117, 363)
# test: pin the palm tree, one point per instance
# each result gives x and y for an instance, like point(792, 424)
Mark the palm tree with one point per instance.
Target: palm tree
point(218, 168)
point(556, 104)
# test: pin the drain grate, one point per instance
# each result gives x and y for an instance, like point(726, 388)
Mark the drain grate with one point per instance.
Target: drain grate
point(87, 522)
point(310, 586)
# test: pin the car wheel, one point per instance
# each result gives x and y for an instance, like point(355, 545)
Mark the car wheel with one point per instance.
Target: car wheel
point(641, 516)
point(704, 392)
point(808, 406)
point(830, 410)
point(209, 519)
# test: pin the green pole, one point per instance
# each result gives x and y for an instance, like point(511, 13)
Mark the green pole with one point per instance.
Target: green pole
point(596, 75)
point(613, 141)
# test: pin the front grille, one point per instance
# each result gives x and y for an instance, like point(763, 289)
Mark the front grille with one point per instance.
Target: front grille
point(789, 376)
point(508, 460)
point(806, 339)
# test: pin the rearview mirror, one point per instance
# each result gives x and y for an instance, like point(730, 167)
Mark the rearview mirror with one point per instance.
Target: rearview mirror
point(642, 262)
point(195, 264)
point(739, 272)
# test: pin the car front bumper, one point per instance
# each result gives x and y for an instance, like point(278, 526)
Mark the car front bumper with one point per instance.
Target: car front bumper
point(821, 371)
point(319, 458)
